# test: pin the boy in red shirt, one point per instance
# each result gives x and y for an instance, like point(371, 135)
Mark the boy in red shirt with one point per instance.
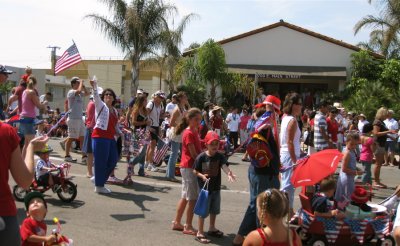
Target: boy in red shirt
point(33, 229)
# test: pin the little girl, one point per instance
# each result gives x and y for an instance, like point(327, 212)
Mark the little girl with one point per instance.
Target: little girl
point(367, 152)
point(272, 207)
point(345, 183)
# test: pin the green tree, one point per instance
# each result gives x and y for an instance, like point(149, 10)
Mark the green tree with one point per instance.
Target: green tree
point(212, 66)
point(385, 27)
point(135, 28)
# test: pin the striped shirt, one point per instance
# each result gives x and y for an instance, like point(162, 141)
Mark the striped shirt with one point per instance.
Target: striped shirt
point(320, 123)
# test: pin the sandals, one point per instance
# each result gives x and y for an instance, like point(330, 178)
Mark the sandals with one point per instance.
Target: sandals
point(202, 239)
point(217, 233)
point(177, 227)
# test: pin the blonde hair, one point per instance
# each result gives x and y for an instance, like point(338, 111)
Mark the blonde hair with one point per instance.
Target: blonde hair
point(273, 203)
point(31, 83)
point(381, 114)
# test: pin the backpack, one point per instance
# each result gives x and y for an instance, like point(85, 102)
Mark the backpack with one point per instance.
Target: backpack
point(259, 150)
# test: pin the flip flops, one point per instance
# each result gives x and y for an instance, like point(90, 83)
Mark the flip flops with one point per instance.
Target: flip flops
point(190, 232)
point(202, 239)
point(217, 233)
point(177, 227)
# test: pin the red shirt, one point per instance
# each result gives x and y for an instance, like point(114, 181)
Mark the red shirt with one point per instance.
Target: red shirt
point(31, 227)
point(217, 122)
point(333, 128)
point(9, 141)
point(90, 113)
point(110, 132)
point(189, 137)
point(18, 92)
point(243, 122)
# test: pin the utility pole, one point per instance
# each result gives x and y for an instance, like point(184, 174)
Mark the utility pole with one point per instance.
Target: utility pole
point(53, 57)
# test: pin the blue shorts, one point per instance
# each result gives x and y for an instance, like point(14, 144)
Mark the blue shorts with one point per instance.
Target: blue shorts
point(87, 141)
point(27, 126)
point(214, 202)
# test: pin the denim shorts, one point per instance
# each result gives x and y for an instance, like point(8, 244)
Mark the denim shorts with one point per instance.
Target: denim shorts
point(214, 202)
point(27, 126)
point(87, 141)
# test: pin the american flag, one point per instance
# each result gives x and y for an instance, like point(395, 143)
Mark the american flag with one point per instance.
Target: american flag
point(381, 227)
point(357, 228)
point(332, 228)
point(161, 152)
point(306, 219)
point(70, 57)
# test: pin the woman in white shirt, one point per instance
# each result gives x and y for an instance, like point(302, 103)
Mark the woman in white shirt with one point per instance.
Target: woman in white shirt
point(290, 142)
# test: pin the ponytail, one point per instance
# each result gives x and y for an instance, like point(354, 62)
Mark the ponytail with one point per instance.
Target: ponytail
point(184, 123)
point(31, 82)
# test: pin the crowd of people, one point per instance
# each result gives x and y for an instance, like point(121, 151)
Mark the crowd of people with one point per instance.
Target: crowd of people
point(202, 140)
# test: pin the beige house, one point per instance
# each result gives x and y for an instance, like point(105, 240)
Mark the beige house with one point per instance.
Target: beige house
point(284, 57)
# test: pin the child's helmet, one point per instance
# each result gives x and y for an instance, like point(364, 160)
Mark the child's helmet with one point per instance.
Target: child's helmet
point(45, 149)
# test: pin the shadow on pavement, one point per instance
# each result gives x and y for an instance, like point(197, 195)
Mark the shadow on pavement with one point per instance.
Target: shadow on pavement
point(225, 240)
point(124, 217)
point(148, 188)
point(59, 203)
point(138, 199)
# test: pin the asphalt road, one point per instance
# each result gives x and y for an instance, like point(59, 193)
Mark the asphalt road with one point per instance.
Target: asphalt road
point(141, 214)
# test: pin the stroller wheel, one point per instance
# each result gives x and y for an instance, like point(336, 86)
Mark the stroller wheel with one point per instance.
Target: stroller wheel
point(318, 241)
point(386, 241)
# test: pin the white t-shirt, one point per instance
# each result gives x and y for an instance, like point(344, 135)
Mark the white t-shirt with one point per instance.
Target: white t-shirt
point(170, 107)
point(391, 124)
point(361, 125)
point(155, 113)
point(233, 121)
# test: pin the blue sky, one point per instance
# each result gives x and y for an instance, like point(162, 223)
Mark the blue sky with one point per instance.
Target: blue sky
point(29, 26)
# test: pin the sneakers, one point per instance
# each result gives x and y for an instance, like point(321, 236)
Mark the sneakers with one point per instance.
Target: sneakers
point(62, 144)
point(114, 180)
point(102, 190)
point(69, 159)
point(152, 168)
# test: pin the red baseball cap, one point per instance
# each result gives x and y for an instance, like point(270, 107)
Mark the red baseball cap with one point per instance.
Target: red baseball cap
point(211, 137)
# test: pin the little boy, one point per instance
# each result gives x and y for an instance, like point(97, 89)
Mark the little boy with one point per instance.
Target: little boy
point(33, 229)
point(208, 166)
point(44, 166)
point(320, 203)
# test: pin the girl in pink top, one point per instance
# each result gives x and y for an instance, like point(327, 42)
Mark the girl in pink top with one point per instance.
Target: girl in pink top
point(30, 100)
point(367, 152)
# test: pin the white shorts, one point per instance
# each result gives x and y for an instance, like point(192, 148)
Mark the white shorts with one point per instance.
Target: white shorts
point(190, 187)
point(76, 128)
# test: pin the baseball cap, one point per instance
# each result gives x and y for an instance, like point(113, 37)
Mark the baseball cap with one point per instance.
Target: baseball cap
point(4, 70)
point(32, 195)
point(74, 79)
point(160, 94)
point(211, 137)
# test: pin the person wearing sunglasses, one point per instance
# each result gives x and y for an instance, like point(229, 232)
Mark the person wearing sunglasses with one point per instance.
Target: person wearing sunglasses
point(103, 137)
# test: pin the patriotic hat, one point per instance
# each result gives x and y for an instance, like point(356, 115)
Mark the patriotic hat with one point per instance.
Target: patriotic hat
point(271, 100)
point(211, 137)
point(360, 195)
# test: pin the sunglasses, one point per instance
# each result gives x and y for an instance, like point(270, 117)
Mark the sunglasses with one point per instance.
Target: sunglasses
point(109, 94)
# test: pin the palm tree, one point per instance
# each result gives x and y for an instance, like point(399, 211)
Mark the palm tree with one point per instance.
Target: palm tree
point(386, 26)
point(136, 28)
point(375, 44)
point(170, 49)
